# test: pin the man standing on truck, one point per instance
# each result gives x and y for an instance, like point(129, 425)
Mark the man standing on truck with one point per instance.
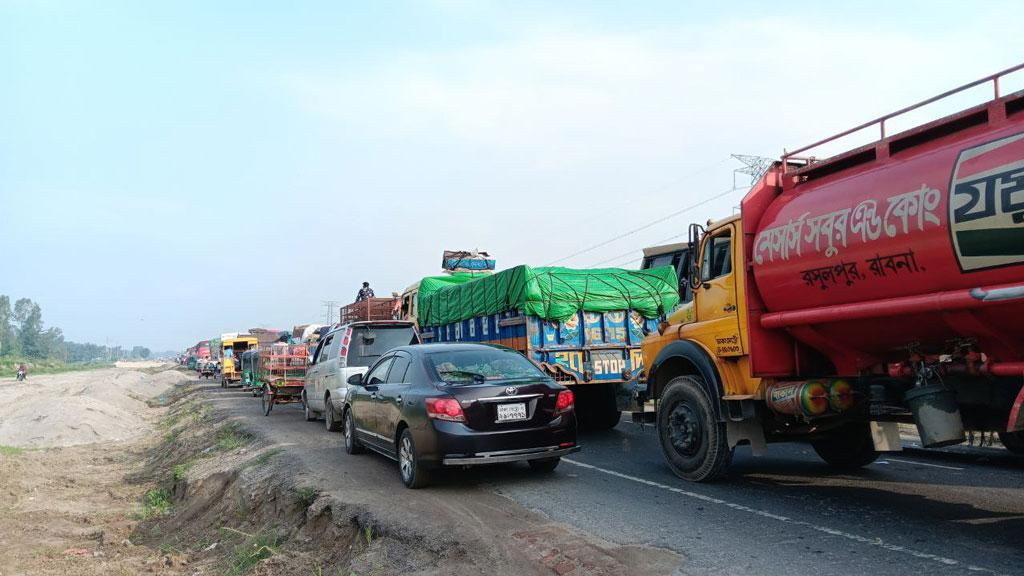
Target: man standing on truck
point(365, 293)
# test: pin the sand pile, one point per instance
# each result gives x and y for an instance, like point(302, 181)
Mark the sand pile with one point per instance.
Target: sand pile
point(80, 407)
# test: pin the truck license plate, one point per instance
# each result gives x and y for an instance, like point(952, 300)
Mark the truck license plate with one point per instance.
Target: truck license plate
point(511, 412)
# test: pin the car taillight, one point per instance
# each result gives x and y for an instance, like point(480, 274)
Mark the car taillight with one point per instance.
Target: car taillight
point(564, 402)
point(445, 409)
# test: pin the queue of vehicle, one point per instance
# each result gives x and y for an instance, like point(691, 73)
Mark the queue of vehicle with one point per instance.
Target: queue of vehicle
point(878, 287)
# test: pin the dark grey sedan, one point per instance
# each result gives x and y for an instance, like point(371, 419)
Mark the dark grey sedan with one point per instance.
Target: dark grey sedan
point(434, 405)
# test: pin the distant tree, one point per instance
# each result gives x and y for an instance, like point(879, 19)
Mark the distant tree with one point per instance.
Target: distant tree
point(140, 352)
point(29, 319)
point(9, 345)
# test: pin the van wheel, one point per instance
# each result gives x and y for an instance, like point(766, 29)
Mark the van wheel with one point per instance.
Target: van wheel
point(329, 421)
point(692, 440)
point(306, 411)
point(1013, 441)
point(847, 447)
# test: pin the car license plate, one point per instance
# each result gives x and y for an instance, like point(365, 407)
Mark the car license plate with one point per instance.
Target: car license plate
point(511, 412)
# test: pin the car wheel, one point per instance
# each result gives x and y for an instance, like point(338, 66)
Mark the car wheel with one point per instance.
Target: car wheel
point(847, 447)
point(329, 421)
point(692, 440)
point(409, 467)
point(306, 411)
point(545, 465)
point(352, 445)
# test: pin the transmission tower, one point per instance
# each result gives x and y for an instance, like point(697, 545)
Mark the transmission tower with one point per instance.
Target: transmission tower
point(753, 166)
point(329, 305)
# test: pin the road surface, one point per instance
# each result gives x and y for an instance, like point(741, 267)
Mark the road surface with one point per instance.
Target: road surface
point(952, 512)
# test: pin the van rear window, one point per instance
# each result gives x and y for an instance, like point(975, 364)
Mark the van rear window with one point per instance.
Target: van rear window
point(369, 343)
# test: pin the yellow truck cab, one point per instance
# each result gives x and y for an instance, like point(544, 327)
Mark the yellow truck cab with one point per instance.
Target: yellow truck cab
point(697, 367)
point(231, 353)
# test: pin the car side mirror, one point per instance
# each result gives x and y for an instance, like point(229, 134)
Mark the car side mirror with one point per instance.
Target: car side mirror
point(355, 379)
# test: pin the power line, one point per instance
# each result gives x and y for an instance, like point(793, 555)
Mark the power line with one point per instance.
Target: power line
point(648, 225)
point(753, 166)
point(633, 251)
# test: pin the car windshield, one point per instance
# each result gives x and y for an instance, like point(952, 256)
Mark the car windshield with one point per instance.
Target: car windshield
point(369, 343)
point(481, 365)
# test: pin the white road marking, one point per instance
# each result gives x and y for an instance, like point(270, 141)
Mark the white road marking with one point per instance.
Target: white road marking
point(878, 542)
point(923, 464)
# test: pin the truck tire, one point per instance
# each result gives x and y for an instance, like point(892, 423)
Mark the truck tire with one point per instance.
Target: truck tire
point(847, 447)
point(596, 409)
point(1013, 441)
point(692, 440)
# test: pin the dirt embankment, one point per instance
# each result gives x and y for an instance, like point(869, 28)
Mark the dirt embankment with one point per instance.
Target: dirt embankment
point(67, 442)
point(134, 472)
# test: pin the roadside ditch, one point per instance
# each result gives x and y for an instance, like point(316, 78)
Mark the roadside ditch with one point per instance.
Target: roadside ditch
point(225, 501)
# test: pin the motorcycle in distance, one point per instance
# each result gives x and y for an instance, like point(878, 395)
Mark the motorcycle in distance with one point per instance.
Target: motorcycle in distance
point(22, 373)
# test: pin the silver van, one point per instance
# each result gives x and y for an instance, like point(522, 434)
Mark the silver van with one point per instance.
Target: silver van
point(343, 351)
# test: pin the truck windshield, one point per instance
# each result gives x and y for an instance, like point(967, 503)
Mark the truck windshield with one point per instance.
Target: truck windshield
point(368, 343)
point(468, 366)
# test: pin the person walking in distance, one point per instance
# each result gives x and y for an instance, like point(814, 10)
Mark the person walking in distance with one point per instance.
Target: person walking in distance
point(365, 293)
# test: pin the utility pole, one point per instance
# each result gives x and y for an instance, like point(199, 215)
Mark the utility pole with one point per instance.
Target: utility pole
point(329, 305)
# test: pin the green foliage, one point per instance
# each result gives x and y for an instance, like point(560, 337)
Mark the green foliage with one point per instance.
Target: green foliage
point(229, 438)
point(179, 471)
point(11, 450)
point(23, 337)
point(252, 549)
point(305, 496)
point(156, 503)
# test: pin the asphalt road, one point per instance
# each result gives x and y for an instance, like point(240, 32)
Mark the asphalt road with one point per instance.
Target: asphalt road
point(957, 511)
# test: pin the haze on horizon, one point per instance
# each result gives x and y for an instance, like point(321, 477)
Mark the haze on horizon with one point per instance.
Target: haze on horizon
point(172, 171)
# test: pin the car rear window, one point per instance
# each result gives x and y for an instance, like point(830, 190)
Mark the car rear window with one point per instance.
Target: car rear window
point(369, 343)
point(482, 364)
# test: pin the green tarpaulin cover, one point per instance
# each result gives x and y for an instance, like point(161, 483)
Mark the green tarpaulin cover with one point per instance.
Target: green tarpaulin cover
point(432, 284)
point(551, 293)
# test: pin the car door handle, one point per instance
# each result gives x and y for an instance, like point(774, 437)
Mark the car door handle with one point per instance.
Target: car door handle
point(730, 308)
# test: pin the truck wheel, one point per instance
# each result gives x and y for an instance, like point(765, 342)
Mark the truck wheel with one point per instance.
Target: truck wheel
point(267, 401)
point(847, 447)
point(329, 421)
point(596, 409)
point(1013, 441)
point(692, 440)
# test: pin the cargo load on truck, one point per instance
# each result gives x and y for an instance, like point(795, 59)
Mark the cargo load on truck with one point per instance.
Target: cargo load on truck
point(370, 309)
point(883, 285)
point(582, 327)
point(280, 374)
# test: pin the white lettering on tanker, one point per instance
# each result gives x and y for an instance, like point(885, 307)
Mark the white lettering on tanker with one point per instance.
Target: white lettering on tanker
point(904, 214)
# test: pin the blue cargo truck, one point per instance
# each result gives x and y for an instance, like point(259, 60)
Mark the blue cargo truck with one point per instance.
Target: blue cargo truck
point(582, 327)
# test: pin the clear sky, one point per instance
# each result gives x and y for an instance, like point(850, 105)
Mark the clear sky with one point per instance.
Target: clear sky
point(173, 170)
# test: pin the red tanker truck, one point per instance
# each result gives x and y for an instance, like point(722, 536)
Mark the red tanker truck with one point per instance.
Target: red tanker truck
point(883, 285)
